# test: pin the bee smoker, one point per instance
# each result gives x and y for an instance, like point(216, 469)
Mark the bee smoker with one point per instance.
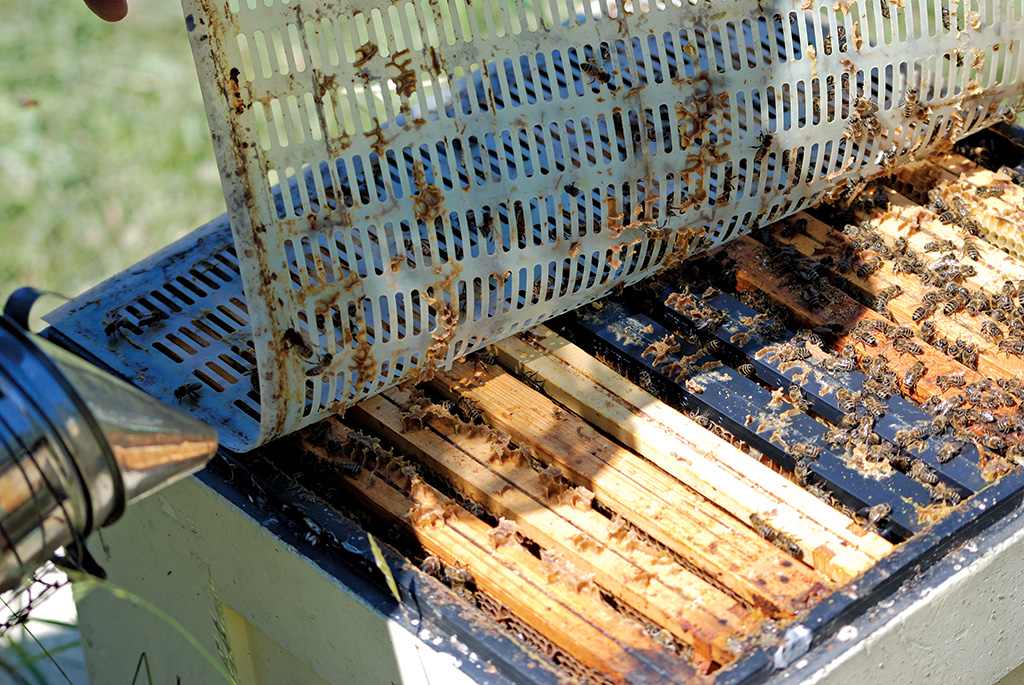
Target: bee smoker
point(76, 447)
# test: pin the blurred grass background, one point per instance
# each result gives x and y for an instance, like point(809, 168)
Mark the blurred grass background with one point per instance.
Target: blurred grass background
point(105, 154)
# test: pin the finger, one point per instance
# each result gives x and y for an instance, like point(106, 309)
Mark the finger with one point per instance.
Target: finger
point(108, 10)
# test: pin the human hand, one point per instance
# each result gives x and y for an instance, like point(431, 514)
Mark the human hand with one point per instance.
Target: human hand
point(108, 10)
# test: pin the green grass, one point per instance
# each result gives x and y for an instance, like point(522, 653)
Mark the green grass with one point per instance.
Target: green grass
point(105, 154)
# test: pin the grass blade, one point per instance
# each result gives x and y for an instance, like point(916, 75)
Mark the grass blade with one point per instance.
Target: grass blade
point(90, 583)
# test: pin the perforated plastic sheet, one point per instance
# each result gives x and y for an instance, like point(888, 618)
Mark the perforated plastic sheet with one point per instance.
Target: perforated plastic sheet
point(459, 171)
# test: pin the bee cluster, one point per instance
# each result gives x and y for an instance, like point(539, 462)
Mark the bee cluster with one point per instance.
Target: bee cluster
point(986, 413)
point(955, 211)
point(862, 120)
point(944, 277)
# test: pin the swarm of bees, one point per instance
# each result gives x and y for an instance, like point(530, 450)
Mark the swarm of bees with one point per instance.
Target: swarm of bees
point(967, 412)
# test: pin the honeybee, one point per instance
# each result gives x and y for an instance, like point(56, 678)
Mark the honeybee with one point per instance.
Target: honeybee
point(839, 437)
point(811, 296)
point(939, 246)
point(965, 353)
point(991, 330)
point(1009, 424)
point(869, 267)
point(878, 513)
point(864, 336)
point(802, 472)
point(969, 224)
point(913, 375)
point(959, 206)
point(531, 379)
point(950, 404)
point(319, 367)
point(939, 424)
point(792, 352)
point(993, 441)
point(947, 217)
point(764, 141)
point(727, 186)
point(924, 311)
point(788, 544)
point(948, 452)
point(945, 494)
point(1014, 386)
point(909, 263)
point(888, 158)
point(152, 317)
point(954, 304)
point(254, 380)
point(1015, 176)
point(911, 106)
point(458, 576)
point(854, 129)
point(112, 326)
point(1014, 346)
point(872, 407)
point(1003, 398)
point(348, 468)
point(747, 370)
point(970, 249)
point(595, 71)
point(884, 296)
point(839, 365)
point(980, 416)
point(901, 332)
point(923, 473)
point(904, 346)
point(937, 202)
point(712, 346)
point(486, 222)
point(991, 190)
point(865, 106)
point(797, 398)
point(846, 400)
point(484, 357)
point(805, 450)
point(188, 390)
point(950, 380)
point(907, 436)
point(469, 410)
point(977, 304)
point(945, 18)
point(294, 339)
point(432, 566)
point(812, 337)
